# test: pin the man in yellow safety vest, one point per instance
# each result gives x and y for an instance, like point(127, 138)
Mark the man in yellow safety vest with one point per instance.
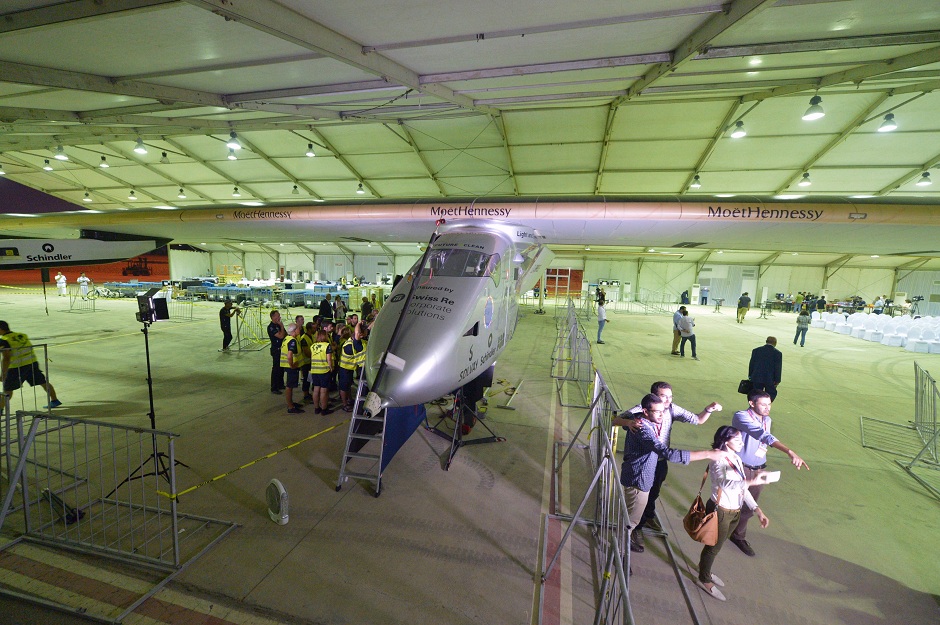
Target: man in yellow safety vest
point(19, 365)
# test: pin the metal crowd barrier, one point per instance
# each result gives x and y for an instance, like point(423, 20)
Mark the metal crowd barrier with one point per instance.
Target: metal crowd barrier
point(251, 327)
point(917, 441)
point(181, 308)
point(571, 358)
point(112, 494)
point(79, 302)
point(602, 508)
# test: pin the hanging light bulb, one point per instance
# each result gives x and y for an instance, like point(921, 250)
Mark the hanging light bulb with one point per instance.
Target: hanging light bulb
point(360, 190)
point(132, 196)
point(232, 142)
point(739, 130)
point(140, 148)
point(104, 163)
point(295, 191)
point(696, 182)
point(888, 124)
point(60, 154)
point(87, 197)
point(164, 159)
point(805, 181)
point(231, 155)
point(235, 193)
point(310, 150)
point(181, 195)
point(47, 166)
point(815, 111)
point(924, 180)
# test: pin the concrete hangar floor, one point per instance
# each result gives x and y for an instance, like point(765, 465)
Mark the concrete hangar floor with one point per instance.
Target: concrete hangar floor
point(851, 541)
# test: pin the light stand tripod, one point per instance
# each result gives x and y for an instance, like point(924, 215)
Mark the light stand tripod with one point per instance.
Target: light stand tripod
point(161, 462)
point(465, 416)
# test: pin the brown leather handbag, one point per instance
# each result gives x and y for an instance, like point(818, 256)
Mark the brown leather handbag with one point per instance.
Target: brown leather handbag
point(702, 526)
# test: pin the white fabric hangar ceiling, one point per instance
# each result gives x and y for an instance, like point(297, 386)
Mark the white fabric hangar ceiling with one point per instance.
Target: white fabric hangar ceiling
point(486, 102)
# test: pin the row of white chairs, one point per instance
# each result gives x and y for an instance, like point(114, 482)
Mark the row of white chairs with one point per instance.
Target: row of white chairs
point(920, 335)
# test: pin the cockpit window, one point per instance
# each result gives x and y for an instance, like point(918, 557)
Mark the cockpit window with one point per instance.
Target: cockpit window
point(457, 263)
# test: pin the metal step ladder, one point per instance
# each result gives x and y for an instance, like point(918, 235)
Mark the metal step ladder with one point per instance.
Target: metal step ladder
point(363, 428)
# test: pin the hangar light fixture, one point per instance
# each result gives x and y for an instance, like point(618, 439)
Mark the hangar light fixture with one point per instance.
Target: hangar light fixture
point(164, 159)
point(310, 150)
point(232, 143)
point(104, 163)
point(132, 196)
point(696, 182)
point(231, 155)
point(815, 111)
point(87, 197)
point(888, 124)
point(295, 191)
point(140, 148)
point(2, 173)
point(235, 192)
point(361, 191)
point(181, 195)
point(47, 166)
point(60, 154)
point(924, 180)
point(805, 181)
point(739, 130)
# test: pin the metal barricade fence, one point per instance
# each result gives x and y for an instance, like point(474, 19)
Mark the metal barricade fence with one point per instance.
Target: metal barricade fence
point(122, 508)
point(80, 301)
point(603, 508)
point(571, 358)
point(917, 441)
point(251, 327)
point(181, 309)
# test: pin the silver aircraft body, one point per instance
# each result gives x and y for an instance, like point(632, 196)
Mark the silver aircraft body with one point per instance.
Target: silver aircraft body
point(448, 319)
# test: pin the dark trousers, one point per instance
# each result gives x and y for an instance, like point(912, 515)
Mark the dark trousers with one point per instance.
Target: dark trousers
point(799, 332)
point(277, 373)
point(305, 379)
point(747, 513)
point(662, 469)
point(770, 387)
point(226, 337)
point(690, 339)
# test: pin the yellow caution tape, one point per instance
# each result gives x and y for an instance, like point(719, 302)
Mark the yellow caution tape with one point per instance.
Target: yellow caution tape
point(255, 461)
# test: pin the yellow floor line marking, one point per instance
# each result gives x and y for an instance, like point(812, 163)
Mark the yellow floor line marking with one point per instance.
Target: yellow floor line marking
point(255, 461)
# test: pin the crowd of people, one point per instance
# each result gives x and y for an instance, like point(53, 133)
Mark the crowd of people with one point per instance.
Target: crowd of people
point(737, 469)
point(322, 358)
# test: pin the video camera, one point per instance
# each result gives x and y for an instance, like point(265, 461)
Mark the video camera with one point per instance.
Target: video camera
point(917, 298)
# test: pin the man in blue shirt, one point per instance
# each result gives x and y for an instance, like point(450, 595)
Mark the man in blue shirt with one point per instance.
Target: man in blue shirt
point(754, 423)
point(642, 450)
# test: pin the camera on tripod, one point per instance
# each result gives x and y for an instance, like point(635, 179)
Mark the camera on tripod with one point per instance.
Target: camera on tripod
point(917, 298)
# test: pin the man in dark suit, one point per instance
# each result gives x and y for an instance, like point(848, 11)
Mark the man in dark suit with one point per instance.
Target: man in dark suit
point(766, 367)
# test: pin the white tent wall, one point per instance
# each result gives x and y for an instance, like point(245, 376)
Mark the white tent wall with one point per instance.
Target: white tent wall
point(726, 282)
point(366, 266)
point(925, 284)
point(334, 266)
point(791, 279)
point(186, 264)
point(867, 283)
point(668, 278)
point(624, 271)
point(404, 263)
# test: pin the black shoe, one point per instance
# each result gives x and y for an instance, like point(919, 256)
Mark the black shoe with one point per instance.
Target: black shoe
point(675, 353)
point(276, 391)
point(600, 342)
point(295, 410)
point(636, 541)
point(326, 412)
point(744, 546)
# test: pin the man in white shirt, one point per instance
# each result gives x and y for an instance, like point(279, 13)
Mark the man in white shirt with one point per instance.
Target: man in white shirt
point(601, 320)
point(676, 316)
